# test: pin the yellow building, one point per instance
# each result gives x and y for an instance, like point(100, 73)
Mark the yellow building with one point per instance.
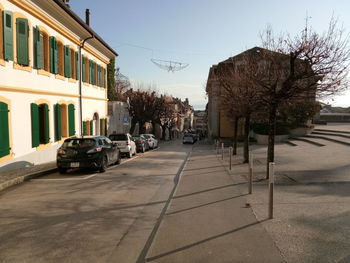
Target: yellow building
point(53, 80)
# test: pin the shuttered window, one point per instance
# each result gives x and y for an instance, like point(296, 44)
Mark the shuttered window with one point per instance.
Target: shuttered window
point(77, 66)
point(4, 130)
point(1, 36)
point(91, 63)
point(58, 122)
point(35, 124)
point(8, 35)
point(53, 55)
point(38, 48)
point(84, 128)
point(22, 41)
point(71, 119)
point(67, 62)
point(91, 128)
point(44, 130)
point(105, 82)
point(83, 69)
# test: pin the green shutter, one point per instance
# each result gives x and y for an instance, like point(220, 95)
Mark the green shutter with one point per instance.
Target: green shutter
point(58, 122)
point(8, 35)
point(46, 135)
point(41, 51)
point(91, 127)
point(22, 41)
point(35, 49)
point(35, 124)
point(83, 69)
point(77, 64)
point(67, 62)
point(38, 48)
point(98, 76)
point(105, 78)
point(84, 128)
point(55, 54)
point(71, 119)
point(101, 129)
point(52, 54)
point(4, 130)
point(91, 72)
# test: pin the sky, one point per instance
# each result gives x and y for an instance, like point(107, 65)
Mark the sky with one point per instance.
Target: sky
point(200, 33)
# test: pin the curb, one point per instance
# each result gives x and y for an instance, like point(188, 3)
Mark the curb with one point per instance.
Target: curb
point(26, 177)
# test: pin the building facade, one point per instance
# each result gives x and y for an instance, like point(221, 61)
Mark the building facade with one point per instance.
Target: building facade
point(53, 80)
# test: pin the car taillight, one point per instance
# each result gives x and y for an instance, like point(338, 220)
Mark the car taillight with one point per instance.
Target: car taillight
point(127, 143)
point(95, 150)
point(61, 151)
point(149, 140)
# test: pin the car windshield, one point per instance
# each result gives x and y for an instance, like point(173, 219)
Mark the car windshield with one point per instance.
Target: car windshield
point(137, 138)
point(146, 136)
point(118, 137)
point(188, 135)
point(78, 143)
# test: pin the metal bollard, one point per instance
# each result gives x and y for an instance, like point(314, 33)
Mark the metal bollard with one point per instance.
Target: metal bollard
point(230, 154)
point(217, 147)
point(222, 151)
point(250, 185)
point(271, 185)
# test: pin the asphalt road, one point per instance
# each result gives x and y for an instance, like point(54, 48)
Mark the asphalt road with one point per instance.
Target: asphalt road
point(90, 217)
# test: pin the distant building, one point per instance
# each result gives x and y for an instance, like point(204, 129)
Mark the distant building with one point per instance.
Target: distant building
point(200, 122)
point(40, 97)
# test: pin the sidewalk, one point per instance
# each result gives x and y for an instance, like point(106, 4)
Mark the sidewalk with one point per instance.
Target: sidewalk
point(17, 176)
point(207, 220)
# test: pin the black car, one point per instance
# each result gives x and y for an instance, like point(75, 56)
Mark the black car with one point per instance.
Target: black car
point(141, 143)
point(94, 152)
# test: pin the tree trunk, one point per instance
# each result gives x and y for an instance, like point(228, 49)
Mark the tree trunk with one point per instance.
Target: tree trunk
point(142, 129)
point(163, 131)
point(133, 125)
point(170, 133)
point(234, 151)
point(272, 133)
point(246, 139)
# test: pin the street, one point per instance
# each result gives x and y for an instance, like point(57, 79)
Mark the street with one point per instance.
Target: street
point(89, 217)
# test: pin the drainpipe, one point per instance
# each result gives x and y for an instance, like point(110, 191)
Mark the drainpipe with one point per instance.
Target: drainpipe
point(80, 83)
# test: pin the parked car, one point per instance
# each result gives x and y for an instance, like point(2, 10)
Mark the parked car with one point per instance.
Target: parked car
point(188, 138)
point(94, 152)
point(151, 139)
point(125, 143)
point(141, 143)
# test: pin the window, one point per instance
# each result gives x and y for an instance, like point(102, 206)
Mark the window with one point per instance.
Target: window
point(61, 54)
point(67, 62)
point(1, 36)
point(102, 77)
point(40, 124)
point(38, 54)
point(77, 66)
point(22, 41)
point(53, 55)
point(73, 65)
point(8, 35)
point(4, 130)
point(84, 128)
point(95, 73)
point(71, 120)
point(91, 67)
point(58, 122)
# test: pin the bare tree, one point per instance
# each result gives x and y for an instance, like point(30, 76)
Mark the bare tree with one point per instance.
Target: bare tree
point(239, 97)
point(122, 84)
point(299, 68)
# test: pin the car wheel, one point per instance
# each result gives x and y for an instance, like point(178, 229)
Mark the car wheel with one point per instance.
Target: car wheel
point(104, 164)
point(130, 154)
point(143, 149)
point(118, 160)
point(62, 170)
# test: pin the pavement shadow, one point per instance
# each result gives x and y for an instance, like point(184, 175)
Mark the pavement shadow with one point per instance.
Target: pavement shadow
point(201, 241)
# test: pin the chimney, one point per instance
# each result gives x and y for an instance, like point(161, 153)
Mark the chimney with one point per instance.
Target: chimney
point(87, 16)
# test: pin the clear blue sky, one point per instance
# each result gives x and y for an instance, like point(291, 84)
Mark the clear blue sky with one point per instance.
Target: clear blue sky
point(199, 32)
